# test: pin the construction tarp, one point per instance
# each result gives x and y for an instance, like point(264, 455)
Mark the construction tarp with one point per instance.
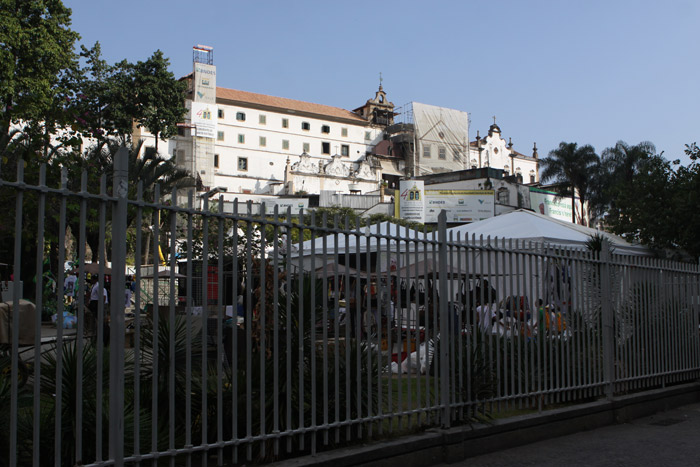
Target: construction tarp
point(442, 138)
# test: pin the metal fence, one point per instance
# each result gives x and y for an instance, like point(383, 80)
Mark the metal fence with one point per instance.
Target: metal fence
point(311, 334)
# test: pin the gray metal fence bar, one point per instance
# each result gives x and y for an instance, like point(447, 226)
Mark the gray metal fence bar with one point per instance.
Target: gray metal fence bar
point(615, 324)
point(117, 327)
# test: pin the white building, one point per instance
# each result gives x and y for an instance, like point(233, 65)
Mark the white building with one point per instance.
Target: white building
point(257, 144)
point(493, 151)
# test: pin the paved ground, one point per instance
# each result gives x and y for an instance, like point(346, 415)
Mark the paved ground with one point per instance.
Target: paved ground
point(669, 438)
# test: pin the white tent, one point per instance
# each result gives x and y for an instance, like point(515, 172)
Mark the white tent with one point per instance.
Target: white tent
point(374, 238)
point(367, 240)
point(527, 226)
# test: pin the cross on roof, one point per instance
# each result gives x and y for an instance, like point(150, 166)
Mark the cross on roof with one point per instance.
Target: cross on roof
point(494, 119)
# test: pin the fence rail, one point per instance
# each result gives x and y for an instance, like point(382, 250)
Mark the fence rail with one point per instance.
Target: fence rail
point(281, 338)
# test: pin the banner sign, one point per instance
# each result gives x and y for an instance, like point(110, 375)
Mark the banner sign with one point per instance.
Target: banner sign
point(421, 205)
point(411, 207)
point(204, 83)
point(549, 204)
point(461, 205)
point(204, 118)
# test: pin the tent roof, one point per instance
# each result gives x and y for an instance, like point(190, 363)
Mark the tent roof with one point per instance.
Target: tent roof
point(368, 240)
point(531, 226)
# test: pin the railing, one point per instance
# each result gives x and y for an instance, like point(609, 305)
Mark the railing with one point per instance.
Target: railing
point(352, 335)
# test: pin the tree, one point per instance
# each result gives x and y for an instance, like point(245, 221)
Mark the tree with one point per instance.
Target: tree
point(643, 209)
point(571, 167)
point(36, 50)
point(624, 161)
point(150, 170)
point(160, 99)
point(619, 166)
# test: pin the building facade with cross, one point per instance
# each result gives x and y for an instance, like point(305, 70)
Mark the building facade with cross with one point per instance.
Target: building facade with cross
point(493, 151)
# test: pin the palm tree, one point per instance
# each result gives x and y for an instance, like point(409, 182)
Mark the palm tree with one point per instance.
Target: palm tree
point(623, 160)
point(145, 166)
point(572, 167)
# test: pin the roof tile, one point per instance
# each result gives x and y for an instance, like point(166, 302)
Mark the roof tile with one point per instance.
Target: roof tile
point(285, 104)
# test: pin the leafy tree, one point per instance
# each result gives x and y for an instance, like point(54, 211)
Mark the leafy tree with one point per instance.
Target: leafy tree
point(159, 97)
point(616, 171)
point(571, 167)
point(644, 209)
point(100, 108)
point(36, 51)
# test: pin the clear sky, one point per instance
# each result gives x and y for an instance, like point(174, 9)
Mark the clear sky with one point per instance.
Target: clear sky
point(593, 72)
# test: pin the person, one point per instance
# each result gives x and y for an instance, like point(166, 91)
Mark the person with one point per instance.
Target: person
point(95, 296)
point(127, 295)
point(93, 306)
point(69, 287)
point(486, 314)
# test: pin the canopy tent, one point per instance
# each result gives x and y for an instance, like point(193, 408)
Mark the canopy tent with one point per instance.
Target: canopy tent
point(528, 226)
point(376, 238)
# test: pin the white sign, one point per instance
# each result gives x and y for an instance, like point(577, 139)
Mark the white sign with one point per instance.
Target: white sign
point(424, 206)
point(204, 118)
point(204, 83)
point(295, 204)
point(411, 207)
point(549, 204)
point(461, 205)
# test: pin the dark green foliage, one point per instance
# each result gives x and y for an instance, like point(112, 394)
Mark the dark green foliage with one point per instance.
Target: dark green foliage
point(570, 166)
point(36, 51)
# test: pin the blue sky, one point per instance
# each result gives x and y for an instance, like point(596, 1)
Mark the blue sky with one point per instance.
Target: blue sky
point(592, 72)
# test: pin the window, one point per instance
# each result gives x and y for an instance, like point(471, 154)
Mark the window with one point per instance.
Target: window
point(305, 126)
point(285, 144)
point(426, 151)
point(325, 129)
point(219, 135)
point(221, 113)
point(345, 150)
point(457, 155)
point(180, 131)
point(532, 176)
point(368, 136)
point(240, 116)
point(262, 119)
point(442, 154)
point(285, 123)
point(503, 196)
point(305, 148)
point(506, 170)
point(344, 132)
point(325, 148)
point(241, 138)
point(243, 164)
point(263, 141)
point(216, 161)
